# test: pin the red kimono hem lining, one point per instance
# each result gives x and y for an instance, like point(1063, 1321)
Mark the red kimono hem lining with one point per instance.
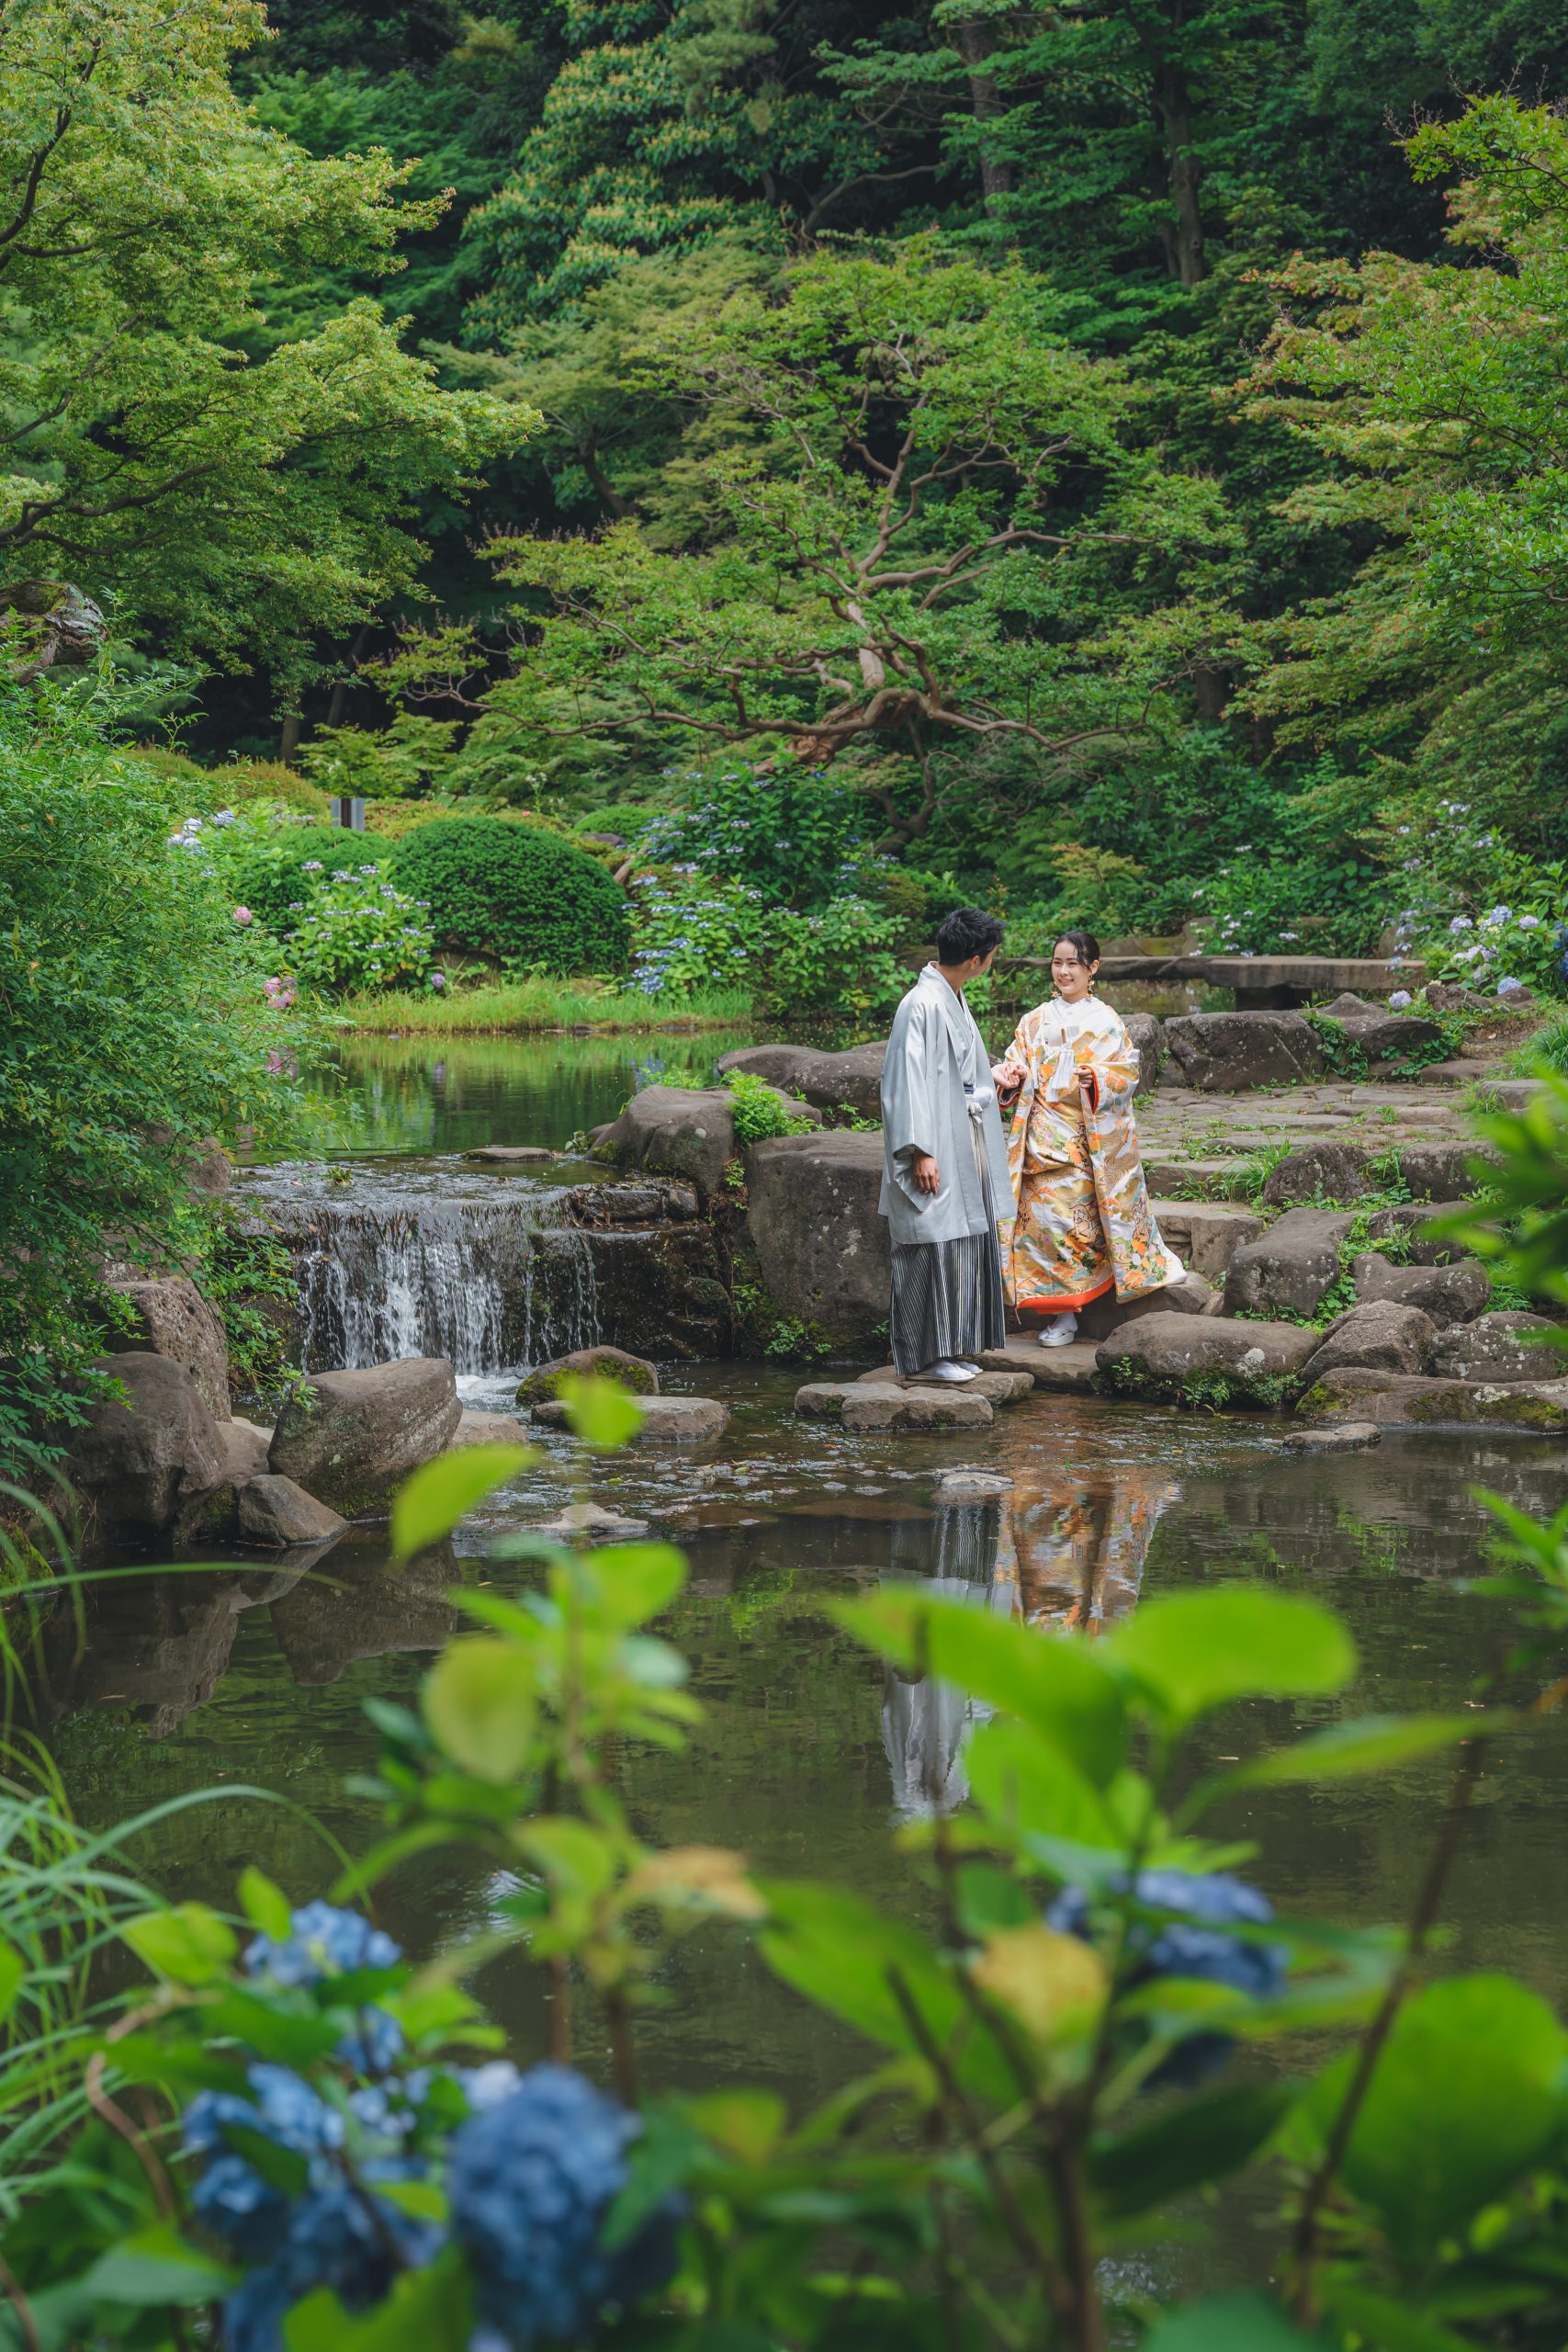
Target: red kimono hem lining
point(1067, 1305)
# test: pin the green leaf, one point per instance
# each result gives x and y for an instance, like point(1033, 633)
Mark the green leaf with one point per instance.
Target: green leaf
point(1465, 2096)
point(481, 1701)
point(13, 1976)
point(186, 1942)
point(427, 2311)
point(1367, 1743)
point(573, 1855)
point(601, 1411)
point(637, 1581)
point(1392, 2327)
point(1202, 2141)
point(1058, 1688)
point(1024, 1784)
point(848, 1956)
point(429, 1504)
point(265, 1904)
point(1238, 2323)
point(156, 2267)
point(1197, 1650)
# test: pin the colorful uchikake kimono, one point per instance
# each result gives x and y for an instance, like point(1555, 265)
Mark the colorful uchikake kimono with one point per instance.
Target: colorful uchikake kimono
point(1084, 1225)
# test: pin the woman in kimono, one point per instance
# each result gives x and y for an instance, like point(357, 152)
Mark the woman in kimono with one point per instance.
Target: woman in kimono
point(1083, 1226)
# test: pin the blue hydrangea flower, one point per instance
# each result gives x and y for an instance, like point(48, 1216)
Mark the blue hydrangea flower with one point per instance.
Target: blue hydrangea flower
point(529, 2182)
point(1182, 1950)
point(232, 2199)
point(322, 1942)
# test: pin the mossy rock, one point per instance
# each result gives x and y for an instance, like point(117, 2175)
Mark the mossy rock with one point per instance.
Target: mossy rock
point(609, 1363)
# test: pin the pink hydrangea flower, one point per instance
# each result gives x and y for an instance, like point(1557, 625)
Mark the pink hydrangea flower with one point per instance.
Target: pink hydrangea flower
point(243, 917)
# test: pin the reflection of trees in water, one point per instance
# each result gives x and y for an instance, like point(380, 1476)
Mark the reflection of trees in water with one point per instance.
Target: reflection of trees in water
point(1064, 1554)
point(158, 1646)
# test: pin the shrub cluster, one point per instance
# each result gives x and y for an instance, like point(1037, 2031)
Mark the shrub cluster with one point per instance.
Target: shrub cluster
point(517, 892)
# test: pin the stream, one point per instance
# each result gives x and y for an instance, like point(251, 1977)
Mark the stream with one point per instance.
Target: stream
point(809, 1756)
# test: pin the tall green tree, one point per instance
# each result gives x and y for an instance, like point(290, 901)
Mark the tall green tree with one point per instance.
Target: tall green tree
point(908, 525)
point(239, 504)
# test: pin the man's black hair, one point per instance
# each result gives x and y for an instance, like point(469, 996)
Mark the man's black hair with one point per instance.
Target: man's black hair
point(967, 931)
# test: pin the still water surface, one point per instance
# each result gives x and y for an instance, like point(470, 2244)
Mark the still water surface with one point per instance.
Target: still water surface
point(809, 1756)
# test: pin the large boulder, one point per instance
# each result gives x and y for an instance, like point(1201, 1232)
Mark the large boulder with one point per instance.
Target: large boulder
point(138, 1461)
point(821, 1249)
point(1148, 1034)
point(677, 1131)
point(1226, 1053)
point(1385, 1335)
point(1382, 1035)
point(1500, 1347)
point(1442, 1172)
point(609, 1363)
point(1446, 1293)
point(1409, 1400)
point(173, 1320)
point(1206, 1235)
point(1290, 1267)
point(1330, 1170)
point(847, 1081)
point(1204, 1359)
point(275, 1511)
point(349, 1438)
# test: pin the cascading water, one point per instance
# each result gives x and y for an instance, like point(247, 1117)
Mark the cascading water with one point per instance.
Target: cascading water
point(490, 1284)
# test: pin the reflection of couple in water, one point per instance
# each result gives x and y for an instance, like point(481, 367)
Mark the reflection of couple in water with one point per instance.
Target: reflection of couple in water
point(1065, 1555)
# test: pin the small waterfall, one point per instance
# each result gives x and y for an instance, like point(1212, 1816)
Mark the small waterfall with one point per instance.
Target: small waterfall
point(484, 1283)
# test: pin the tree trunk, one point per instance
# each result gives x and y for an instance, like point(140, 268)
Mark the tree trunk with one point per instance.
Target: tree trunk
point(1184, 239)
point(604, 488)
point(1210, 693)
point(341, 688)
point(289, 742)
point(978, 42)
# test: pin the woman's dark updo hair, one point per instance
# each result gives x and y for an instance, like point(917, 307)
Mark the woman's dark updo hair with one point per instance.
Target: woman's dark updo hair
point(1084, 944)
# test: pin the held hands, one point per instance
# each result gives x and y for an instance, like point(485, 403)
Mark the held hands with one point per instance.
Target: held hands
point(1007, 1077)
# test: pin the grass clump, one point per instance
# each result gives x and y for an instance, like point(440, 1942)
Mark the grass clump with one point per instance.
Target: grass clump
point(760, 1112)
point(539, 1003)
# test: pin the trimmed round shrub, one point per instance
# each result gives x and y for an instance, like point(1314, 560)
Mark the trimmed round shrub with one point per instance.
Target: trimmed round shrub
point(515, 892)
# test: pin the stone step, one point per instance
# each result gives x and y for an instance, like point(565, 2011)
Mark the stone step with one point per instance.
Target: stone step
point(1000, 1384)
point(1172, 1178)
point(1056, 1370)
point(882, 1408)
point(1207, 1234)
point(666, 1421)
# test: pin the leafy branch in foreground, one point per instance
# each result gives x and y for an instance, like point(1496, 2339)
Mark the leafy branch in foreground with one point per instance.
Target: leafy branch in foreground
point(300, 2139)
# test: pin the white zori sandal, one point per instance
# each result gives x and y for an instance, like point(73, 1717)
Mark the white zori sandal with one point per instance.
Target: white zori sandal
point(949, 1371)
point(1060, 1332)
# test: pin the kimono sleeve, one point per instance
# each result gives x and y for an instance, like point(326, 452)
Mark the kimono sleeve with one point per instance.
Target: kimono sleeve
point(909, 1108)
point(1111, 1070)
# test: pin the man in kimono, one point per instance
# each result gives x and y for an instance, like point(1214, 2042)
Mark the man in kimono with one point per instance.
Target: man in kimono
point(945, 1177)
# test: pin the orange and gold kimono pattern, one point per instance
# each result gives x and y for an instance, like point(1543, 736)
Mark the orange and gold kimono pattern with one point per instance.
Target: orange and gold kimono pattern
point(1071, 1558)
point(1083, 1225)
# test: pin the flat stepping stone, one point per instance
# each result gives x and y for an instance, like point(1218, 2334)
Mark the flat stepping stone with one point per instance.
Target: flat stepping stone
point(1412, 1400)
point(666, 1421)
point(592, 1520)
point(1179, 1179)
point(489, 1429)
point(502, 1155)
point(1000, 1385)
point(1058, 1371)
point(870, 1407)
point(971, 1486)
point(1347, 1438)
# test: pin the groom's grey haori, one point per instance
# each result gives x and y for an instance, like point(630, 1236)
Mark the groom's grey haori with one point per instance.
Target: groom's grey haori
point(938, 1098)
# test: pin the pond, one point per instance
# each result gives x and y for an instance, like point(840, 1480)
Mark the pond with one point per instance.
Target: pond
point(809, 1756)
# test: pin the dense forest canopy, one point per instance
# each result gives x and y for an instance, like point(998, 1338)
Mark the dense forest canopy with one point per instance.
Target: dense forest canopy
point(1093, 435)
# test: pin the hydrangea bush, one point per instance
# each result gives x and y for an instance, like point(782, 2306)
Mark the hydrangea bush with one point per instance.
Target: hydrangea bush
point(359, 931)
point(298, 2140)
point(691, 932)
